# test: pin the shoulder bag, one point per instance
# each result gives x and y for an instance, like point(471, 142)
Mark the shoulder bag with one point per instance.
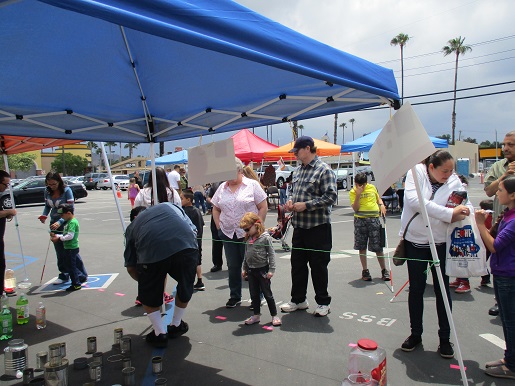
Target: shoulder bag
point(399, 256)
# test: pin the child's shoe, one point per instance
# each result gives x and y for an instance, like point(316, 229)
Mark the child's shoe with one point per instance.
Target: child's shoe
point(199, 286)
point(253, 319)
point(276, 321)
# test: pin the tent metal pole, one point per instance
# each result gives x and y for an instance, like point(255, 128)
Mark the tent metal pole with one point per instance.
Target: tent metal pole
point(432, 245)
point(25, 283)
point(116, 200)
point(153, 171)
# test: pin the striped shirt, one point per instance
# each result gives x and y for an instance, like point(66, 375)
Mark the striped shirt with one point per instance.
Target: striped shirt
point(315, 185)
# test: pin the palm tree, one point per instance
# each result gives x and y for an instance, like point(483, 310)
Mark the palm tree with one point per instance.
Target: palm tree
point(110, 145)
point(401, 40)
point(131, 147)
point(343, 126)
point(455, 46)
point(301, 128)
point(335, 128)
point(352, 120)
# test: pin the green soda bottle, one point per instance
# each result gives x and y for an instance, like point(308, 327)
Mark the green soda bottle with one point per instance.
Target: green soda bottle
point(22, 309)
point(6, 324)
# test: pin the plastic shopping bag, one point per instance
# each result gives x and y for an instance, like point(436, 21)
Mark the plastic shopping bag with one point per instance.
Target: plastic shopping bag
point(466, 252)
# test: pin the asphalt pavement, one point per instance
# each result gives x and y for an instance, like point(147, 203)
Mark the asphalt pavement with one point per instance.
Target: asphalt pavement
point(219, 348)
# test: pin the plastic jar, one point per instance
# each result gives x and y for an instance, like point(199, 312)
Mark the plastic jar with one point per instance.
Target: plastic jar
point(368, 359)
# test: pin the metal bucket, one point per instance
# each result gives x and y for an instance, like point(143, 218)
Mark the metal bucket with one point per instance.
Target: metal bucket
point(15, 357)
point(57, 375)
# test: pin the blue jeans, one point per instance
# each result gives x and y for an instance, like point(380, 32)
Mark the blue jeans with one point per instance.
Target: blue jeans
point(75, 266)
point(504, 288)
point(234, 253)
point(200, 200)
point(282, 196)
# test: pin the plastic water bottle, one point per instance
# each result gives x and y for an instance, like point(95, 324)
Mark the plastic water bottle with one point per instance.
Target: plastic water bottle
point(22, 309)
point(6, 323)
point(41, 316)
point(4, 301)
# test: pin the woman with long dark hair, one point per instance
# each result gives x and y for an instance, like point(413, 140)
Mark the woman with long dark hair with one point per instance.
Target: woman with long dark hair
point(437, 182)
point(164, 192)
point(57, 193)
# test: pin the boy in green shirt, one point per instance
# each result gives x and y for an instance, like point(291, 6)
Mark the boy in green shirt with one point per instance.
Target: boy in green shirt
point(367, 206)
point(70, 239)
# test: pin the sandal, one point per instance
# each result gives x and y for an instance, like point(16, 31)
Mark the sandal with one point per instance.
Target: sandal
point(276, 321)
point(496, 363)
point(137, 303)
point(253, 319)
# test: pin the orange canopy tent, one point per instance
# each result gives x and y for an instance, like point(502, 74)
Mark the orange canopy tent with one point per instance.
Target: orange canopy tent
point(323, 149)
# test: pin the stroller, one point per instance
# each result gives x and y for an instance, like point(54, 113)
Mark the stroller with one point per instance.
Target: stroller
point(280, 231)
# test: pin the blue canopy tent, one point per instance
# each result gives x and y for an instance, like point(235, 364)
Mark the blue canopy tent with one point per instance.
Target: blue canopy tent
point(181, 157)
point(365, 143)
point(154, 71)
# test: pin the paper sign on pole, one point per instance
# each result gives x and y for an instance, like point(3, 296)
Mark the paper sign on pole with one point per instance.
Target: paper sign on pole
point(402, 144)
point(211, 163)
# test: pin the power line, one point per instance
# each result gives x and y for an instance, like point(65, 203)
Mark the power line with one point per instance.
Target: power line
point(440, 51)
point(462, 89)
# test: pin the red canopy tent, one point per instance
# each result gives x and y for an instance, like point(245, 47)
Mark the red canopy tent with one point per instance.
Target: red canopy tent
point(249, 147)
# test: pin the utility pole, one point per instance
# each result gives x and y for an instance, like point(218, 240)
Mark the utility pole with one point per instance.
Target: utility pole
point(62, 155)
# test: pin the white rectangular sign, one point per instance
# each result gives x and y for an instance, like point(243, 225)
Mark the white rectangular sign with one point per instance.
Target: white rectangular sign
point(402, 144)
point(213, 162)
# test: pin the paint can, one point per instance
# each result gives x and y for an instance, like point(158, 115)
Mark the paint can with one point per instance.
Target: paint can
point(129, 376)
point(55, 354)
point(41, 359)
point(92, 345)
point(125, 345)
point(95, 371)
point(15, 356)
point(157, 365)
point(57, 375)
point(98, 357)
point(126, 362)
point(118, 333)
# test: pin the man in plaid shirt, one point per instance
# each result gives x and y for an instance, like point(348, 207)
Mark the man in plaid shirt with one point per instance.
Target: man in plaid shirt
point(314, 193)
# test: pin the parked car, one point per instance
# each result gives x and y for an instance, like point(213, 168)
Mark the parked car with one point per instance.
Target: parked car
point(32, 191)
point(91, 180)
point(120, 180)
point(77, 179)
point(341, 178)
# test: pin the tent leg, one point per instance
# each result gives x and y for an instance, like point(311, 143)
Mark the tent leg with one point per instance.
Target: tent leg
point(153, 166)
point(25, 283)
point(108, 167)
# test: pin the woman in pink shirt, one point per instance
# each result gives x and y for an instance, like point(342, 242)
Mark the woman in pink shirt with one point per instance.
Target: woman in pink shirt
point(231, 201)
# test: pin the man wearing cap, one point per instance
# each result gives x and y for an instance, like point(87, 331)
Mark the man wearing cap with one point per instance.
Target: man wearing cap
point(311, 200)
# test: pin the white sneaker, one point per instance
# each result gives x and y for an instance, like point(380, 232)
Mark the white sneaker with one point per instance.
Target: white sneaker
point(60, 281)
point(322, 311)
point(290, 307)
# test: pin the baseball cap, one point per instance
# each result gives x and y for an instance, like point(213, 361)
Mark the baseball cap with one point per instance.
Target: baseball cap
point(302, 142)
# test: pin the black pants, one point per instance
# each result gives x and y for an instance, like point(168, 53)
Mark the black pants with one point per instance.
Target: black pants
point(313, 247)
point(417, 286)
point(258, 283)
point(217, 245)
point(2, 255)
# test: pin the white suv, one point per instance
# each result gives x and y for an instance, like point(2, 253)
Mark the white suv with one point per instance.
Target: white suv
point(120, 181)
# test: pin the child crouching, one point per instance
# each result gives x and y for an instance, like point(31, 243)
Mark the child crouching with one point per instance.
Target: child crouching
point(259, 266)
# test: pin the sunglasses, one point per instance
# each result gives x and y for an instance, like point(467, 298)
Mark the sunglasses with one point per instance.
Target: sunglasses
point(248, 229)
